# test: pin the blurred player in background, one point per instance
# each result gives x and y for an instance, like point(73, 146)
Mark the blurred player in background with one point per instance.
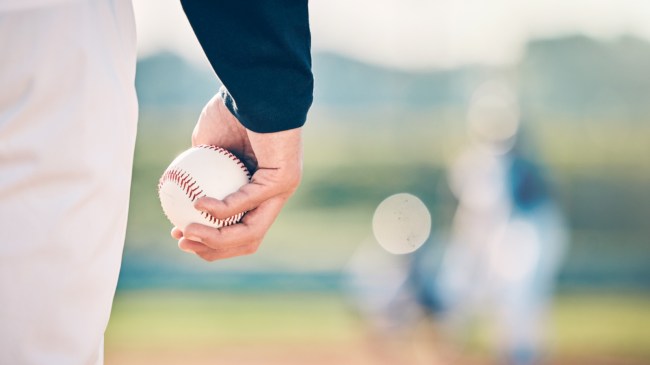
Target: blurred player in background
point(508, 236)
point(395, 299)
point(380, 296)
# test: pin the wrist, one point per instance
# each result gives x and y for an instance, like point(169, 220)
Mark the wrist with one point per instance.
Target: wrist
point(278, 149)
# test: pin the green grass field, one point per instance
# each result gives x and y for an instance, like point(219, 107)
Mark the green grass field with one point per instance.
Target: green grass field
point(198, 328)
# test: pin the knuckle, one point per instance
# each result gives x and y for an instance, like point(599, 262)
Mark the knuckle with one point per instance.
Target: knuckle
point(227, 206)
point(250, 248)
point(286, 183)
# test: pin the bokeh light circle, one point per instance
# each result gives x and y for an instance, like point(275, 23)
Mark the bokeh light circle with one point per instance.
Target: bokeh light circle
point(401, 223)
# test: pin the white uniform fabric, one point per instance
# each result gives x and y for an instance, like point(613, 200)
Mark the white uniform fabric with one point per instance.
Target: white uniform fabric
point(68, 114)
point(6, 5)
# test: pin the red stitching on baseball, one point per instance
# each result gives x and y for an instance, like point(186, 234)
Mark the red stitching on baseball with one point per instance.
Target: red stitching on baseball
point(193, 190)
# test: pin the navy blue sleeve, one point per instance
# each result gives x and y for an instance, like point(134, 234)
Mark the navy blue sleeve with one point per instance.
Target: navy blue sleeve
point(260, 50)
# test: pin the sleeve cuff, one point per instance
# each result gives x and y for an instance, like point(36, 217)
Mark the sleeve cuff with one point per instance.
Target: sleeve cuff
point(266, 119)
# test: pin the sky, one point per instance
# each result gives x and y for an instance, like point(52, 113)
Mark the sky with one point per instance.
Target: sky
point(420, 34)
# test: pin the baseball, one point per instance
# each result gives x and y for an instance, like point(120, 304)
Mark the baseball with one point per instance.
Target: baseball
point(200, 171)
point(401, 223)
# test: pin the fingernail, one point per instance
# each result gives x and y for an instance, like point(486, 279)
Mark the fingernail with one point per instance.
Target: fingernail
point(185, 249)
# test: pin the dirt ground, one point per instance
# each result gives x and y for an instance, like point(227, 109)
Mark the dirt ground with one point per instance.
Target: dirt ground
point(347, 354)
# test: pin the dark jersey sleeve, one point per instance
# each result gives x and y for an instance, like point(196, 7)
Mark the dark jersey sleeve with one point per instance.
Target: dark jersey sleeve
point(260, 50)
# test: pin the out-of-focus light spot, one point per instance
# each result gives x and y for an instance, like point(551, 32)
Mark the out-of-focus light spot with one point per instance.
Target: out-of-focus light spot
point(401, 223)
point(493, 115)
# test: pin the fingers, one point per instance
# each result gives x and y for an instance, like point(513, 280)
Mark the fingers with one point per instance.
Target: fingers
point(262, 199)
point(239, 239)
point(211, 254)
point(177, 233)
point(277, 159)
point(247, 198)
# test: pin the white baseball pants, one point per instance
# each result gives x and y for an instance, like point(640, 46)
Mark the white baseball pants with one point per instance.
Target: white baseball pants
point(68, 116)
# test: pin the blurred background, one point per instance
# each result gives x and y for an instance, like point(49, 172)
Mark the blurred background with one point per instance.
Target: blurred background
point(523, 127)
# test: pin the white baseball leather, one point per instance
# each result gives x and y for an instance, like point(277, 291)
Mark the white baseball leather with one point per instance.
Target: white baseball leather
point(200, 171)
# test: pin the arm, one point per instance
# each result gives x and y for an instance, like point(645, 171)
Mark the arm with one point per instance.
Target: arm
point(260, 52)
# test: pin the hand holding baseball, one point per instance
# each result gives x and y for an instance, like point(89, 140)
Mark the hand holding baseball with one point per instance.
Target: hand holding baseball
point(275, 159)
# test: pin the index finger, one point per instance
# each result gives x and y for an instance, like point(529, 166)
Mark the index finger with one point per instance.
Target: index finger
point(262, 188)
